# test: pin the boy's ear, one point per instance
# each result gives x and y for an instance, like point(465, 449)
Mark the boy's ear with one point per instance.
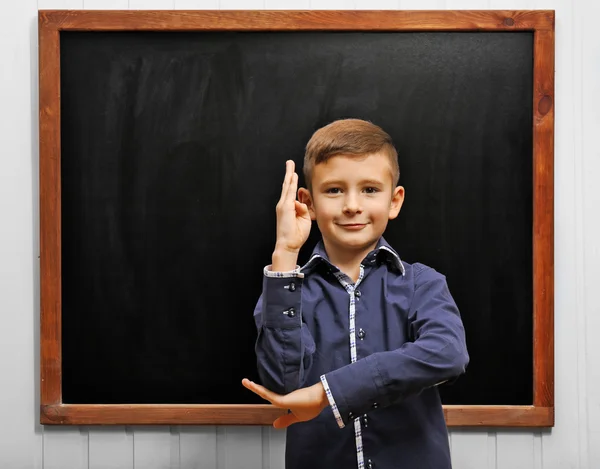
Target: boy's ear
point(305, 198)
point(397, 201)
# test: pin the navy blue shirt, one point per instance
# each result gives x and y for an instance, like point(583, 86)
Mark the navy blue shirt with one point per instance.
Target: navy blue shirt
point(379, 345)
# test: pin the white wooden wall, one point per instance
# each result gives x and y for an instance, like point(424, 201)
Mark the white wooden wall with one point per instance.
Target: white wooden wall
point(573, 443)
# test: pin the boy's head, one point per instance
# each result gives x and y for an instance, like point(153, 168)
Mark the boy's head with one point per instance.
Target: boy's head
point(351, 171)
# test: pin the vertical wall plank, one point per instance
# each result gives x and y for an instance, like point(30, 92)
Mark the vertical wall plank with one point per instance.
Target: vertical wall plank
point(276, 454)
point(590, 86)
point(538, 457)
point(492, 450)
point(515, 449)
point(198, 447)
point(470, 449)
point(110, 448)
point(151, 447)
point(65, 448)
point(585, 31)
point(239, 447)
point(20, 433)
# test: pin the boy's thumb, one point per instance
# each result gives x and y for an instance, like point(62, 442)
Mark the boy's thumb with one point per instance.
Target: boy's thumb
point(301, 209)
point(285, 421)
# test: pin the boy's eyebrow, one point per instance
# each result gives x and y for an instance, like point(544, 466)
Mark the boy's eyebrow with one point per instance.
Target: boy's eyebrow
point(373, 182)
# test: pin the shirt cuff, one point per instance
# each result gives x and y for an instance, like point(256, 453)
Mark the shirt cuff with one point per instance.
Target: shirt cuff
point(336, 412)
point(291, 273)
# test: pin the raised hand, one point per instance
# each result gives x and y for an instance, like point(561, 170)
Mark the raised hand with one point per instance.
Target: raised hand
point(293, 222)
point(305, 403)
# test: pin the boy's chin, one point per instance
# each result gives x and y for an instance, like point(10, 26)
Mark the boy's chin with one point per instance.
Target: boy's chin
point(354, 241)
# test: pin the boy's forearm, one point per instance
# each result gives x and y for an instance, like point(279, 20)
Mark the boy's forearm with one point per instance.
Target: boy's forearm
point(281, 332)
point(384, 378)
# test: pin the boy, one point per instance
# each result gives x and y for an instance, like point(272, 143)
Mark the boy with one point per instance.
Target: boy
point(355, 342)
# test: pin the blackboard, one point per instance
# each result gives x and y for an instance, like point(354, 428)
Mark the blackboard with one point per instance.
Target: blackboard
point(172, 151)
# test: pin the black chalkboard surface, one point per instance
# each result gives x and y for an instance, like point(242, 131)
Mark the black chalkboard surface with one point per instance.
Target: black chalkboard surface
point(173, 151)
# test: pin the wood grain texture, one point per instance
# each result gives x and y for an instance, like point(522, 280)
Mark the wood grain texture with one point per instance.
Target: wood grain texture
point(50, 25)
point(156, 414)
point(159, 414)
point(499, 416)
point(50, 215)
point(543, 218)
point(274, 20)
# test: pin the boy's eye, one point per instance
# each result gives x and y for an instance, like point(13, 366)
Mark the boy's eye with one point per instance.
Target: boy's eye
point(371, 190)
point(333, 190)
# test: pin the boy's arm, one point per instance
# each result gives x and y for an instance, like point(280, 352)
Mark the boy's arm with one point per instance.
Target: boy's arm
point(438, 354)
point(284, 347)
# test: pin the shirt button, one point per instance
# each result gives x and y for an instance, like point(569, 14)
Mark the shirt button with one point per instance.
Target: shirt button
point(361, 334)
point(292, 286)
point(370, 464)
point(375, 405)
point(365, 420)
point(357, 293)
point(350, 416)
point(290, 313)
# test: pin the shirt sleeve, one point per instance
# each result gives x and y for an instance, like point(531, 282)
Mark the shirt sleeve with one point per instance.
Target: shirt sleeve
point(284, 346)
point(437, 353)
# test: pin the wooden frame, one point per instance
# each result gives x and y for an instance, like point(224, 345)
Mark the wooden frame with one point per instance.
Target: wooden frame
point(51, 23)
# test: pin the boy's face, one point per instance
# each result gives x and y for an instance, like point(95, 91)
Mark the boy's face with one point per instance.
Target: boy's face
point(352, 200)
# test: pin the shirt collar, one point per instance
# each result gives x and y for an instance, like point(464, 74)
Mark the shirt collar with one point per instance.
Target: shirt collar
point(383, 253)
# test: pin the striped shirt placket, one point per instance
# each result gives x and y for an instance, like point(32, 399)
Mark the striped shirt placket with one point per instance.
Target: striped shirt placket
point(350, 287)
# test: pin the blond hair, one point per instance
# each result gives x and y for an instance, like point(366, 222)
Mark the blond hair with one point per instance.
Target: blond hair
point(349, 137)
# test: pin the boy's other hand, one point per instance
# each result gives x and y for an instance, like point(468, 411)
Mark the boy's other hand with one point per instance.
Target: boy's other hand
point(293, 218)
point(305, 403)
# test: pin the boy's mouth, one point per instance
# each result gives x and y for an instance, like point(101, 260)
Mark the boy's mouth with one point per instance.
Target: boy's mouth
point(352, 226)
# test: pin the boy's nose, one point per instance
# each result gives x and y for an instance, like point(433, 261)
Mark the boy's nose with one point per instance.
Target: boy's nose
point(351, 205)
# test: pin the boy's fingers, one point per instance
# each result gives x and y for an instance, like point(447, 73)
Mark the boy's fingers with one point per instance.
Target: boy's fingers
point(293, 182)
point(261, 391)
point(286, 180)
point(293, 187)
point(285, 421)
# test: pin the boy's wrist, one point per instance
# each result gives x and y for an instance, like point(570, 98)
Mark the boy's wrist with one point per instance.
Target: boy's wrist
point(284, 259)
point(324, 401)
